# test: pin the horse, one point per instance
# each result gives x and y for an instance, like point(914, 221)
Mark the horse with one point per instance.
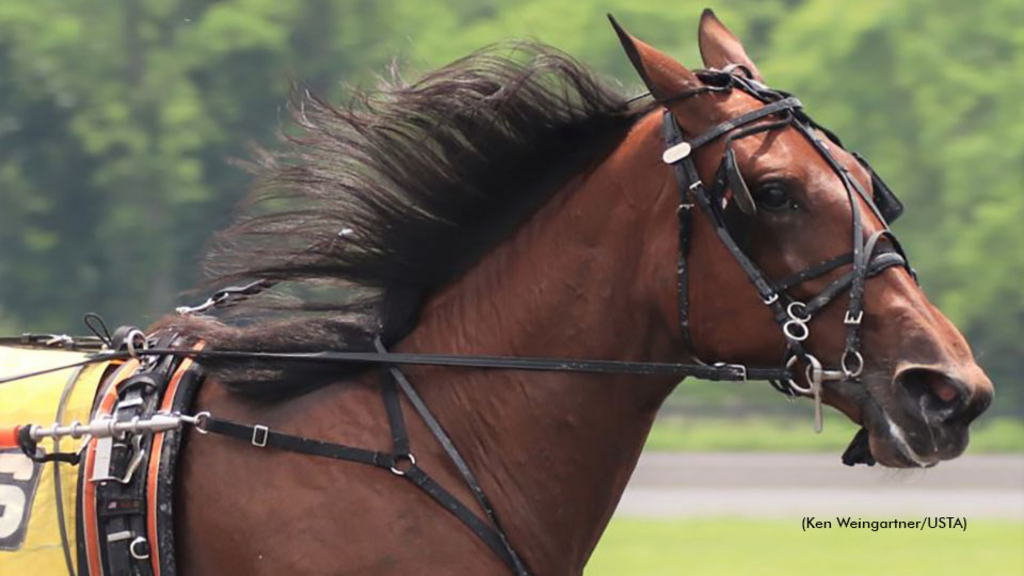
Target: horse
point(512, 203)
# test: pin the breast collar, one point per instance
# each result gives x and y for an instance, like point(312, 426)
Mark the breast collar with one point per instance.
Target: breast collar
point(869, 257)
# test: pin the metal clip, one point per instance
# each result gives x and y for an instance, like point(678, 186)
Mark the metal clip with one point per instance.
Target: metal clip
point(850, 320)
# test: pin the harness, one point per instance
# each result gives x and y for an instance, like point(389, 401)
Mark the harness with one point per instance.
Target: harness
point(147, 411)
point(869, 257)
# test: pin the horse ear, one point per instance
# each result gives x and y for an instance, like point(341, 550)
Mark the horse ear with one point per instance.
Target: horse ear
point(719, 47)
point(663, 75)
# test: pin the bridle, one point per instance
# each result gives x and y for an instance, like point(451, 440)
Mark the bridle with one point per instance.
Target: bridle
point(868, 258)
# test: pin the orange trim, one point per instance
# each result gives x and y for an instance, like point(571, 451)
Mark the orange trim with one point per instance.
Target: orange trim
point(9, 437)
point(153, 474)
point(88, 504)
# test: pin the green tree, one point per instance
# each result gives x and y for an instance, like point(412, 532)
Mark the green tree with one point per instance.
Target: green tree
point(118, 119)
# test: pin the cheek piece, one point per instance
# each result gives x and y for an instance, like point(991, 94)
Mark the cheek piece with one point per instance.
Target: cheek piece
point(732, 221)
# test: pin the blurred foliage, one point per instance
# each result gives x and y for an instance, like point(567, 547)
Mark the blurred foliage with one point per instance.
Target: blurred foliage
point(118, 118)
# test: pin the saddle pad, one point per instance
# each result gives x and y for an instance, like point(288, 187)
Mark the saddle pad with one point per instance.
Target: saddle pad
point(32, 536)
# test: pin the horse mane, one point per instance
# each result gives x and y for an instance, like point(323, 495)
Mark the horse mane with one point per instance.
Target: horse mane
point(370, 206)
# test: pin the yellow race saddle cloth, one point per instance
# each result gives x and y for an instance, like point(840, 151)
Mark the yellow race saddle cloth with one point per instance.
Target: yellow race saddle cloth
point(35, 538)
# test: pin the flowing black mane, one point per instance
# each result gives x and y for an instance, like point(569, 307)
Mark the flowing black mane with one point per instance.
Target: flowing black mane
point(393, 195)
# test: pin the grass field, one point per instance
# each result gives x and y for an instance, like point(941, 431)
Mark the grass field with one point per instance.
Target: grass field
point(795, 435)
point(698, 547)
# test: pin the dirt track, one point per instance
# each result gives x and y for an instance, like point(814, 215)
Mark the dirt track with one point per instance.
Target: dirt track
point(797, 485)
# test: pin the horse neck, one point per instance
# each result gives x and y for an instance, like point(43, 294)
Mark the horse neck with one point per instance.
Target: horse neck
point(554, 451)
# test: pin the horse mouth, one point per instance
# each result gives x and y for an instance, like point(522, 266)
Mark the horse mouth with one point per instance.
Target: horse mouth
point(884, 441)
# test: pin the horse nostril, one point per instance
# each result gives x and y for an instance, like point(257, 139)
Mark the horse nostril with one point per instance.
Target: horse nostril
point(942, 388)
point(934, 392)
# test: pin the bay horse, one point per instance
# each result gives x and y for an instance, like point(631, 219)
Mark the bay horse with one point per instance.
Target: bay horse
point(516, 205)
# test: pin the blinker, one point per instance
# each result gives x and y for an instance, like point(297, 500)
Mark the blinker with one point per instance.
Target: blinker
point(889, 206)
point(744, 200)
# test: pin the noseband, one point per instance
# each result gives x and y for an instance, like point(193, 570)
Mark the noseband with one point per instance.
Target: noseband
point(868, 258)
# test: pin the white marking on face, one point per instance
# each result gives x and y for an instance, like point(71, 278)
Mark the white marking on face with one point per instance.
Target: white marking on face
point(901, 442)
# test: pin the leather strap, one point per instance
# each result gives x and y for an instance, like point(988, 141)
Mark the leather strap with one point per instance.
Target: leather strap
point(453, 454)
point(263, 437)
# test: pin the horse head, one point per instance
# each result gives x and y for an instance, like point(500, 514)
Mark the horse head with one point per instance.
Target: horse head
point(790, 256)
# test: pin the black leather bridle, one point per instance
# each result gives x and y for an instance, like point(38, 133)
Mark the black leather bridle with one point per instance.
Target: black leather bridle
point(870, 256)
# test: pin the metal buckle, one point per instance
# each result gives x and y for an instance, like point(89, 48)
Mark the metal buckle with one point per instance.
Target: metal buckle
point(850, 320)
point(772, 299)
point(259, 435)
point(742, 369)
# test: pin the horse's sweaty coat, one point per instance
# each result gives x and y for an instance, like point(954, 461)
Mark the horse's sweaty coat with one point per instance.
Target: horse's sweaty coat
point(31, 540)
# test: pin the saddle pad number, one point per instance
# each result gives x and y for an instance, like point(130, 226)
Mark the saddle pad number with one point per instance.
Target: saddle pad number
point(19, 477)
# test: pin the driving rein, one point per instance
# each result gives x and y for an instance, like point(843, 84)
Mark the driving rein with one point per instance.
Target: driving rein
point(730, 217)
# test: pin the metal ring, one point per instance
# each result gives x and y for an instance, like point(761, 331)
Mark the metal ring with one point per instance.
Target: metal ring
point(198, 421)
point(399, 457)
point(139, 555)
point(129, 341)
point(860, 364)
point(815, 372)
point(792, 383)
point(798, 337)
point(794, 306)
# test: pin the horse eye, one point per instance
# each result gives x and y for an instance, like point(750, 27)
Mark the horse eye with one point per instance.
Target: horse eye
point(774, 198)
